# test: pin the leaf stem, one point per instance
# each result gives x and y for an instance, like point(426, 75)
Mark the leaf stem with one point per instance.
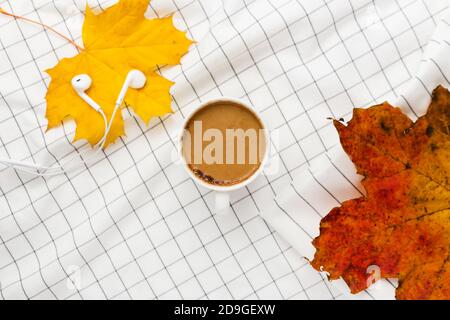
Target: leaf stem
point(43, 25)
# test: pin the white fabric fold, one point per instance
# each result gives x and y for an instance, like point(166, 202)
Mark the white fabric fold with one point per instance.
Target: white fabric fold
point(332, 179)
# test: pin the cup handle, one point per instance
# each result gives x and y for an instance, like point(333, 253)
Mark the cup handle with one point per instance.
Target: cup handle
point(222, 202)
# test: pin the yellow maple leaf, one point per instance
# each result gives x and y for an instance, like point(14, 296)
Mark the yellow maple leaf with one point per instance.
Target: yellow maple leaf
point(115, 42)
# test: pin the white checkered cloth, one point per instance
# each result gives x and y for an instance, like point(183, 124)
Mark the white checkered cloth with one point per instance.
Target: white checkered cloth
point(133, 225)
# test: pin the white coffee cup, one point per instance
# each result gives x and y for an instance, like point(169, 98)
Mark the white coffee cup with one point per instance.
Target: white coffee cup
point(222, 193)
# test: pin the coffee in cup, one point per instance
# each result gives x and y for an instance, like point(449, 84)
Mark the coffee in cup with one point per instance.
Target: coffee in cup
point(224, 143)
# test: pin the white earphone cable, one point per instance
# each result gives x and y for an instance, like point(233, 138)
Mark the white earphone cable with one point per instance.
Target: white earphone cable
point(42, 171)
point(135, 79)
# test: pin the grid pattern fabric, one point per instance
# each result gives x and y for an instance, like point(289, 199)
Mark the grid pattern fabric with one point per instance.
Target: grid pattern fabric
point(331, 178)
point(133, 225)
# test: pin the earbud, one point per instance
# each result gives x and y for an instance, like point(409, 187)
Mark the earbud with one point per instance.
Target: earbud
point(81, 84)
point(135, 80)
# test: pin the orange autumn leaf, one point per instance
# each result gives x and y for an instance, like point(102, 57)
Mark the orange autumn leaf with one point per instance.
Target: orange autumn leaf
point(402, 225)
point(116, 41)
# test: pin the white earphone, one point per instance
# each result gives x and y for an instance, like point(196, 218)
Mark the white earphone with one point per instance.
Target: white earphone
point(81, 84)
point(135, 79)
